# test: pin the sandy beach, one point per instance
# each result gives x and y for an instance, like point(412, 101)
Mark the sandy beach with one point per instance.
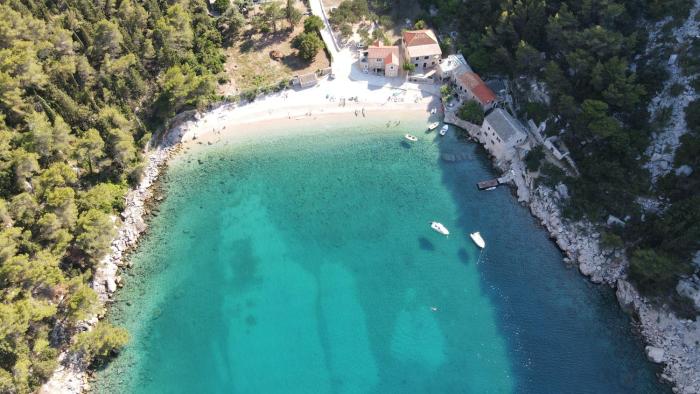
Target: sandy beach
point(352, 99)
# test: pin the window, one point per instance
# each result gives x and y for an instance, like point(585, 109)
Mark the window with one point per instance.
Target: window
point(425, 57)
point(416, 64)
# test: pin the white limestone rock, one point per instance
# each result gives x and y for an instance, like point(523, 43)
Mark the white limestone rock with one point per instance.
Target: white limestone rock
point(562, 191)
point(690, 288)
point(655, 354)
point(684, 170)
point(626, 295)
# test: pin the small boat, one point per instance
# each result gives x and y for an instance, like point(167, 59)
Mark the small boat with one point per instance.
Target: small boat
point(491, 188)
point(476, 237)
point(411, 138)
point(443, 130)
point(433, 126)
point(440, 228)
point(433, 111)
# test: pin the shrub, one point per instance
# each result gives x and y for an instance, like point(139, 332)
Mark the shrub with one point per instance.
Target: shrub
point(349, 11)
point(534, 158)
point(537, 111)
point(445, 92)
point(313, 24)
point(553, 175)
point(345, 30)
point(408, 66)
point(222, 5)
point(611, 240)
point(101, 342)
point(676, 89)
point(308, 45)
point(655, 272)
point(692, 116)
point(471, 111)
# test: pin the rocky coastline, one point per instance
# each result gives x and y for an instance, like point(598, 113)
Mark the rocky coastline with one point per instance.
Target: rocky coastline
point(72, 375)
point(671, 340)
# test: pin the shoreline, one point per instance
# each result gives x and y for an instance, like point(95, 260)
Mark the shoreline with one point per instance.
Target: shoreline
point(661, 330)
point(71, 375)
point(669, 340)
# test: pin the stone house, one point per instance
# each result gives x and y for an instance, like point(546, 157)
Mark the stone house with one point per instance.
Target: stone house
point(469, 86)
point(421, 48)
point(382, 59)
point(501, 134)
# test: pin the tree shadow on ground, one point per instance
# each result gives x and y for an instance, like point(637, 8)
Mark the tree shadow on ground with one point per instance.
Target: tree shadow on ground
point(258, 42)
point(295, 62)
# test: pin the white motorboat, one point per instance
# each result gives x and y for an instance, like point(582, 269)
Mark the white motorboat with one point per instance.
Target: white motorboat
point(443, 130)
point(433, 126)
point(411, 138)
point(440, 228)
point(476, 237)
point(433, 111)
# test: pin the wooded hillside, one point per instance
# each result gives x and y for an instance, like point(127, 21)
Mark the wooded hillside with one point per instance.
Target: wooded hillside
point(83, 86)
point(592, 57)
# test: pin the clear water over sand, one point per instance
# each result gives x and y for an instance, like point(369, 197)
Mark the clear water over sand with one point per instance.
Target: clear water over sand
point(305, 263)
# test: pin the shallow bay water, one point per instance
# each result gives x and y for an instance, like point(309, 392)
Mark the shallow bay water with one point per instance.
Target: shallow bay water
point(304, 262)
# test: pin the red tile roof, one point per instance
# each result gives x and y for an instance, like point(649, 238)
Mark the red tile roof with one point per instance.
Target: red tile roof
point(476, 85)
point(390, 54)
point(421, 43)
point(419, 37)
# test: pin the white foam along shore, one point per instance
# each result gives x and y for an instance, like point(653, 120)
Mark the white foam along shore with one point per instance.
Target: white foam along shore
point(326, 99)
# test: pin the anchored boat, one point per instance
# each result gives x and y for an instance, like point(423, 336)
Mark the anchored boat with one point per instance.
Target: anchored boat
point(433, 126)
point(476, 237)
point(411, 138)
point(443, 130)
point(440, 228)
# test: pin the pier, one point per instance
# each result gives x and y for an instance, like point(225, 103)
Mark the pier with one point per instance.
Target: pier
point(484, 185)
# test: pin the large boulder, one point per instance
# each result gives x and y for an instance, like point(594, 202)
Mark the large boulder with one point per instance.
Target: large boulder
point(626, 294)
point(655, 354)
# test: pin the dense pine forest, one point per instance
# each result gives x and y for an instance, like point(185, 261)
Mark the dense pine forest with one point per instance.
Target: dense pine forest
point(83, 86)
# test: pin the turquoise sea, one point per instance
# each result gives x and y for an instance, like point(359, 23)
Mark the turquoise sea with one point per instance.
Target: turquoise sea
point(304, 263)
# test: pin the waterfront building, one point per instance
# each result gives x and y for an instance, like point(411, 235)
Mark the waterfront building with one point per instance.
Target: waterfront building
point(501, 134)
